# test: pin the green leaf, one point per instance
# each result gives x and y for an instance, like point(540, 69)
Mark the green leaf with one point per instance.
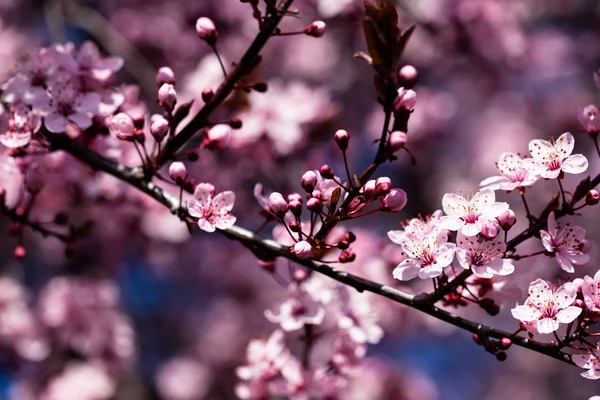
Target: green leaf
point(335, 197)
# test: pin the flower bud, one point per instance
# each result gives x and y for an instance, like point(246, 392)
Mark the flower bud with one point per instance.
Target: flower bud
point(394, 201)
point(20, 252)
point(167, 97)
point(343, 245)
point(383, 186)
point(505, 343)
point(217, 137)
point(589, 118)
point(295, 207)
point(159, 127)
point(476, 339)
point(261, 87)
point(206, 30)
point(278, 205)
point(326, 172)
point(501, 356)
point(347, 256)
point(490, 228)
point(165, 75)
point(235, 123)
point(314, 205)
point(507, 219)
point(342, 138)
point(300, 275)
point(294, 197)
point(302, 249)
point(207, 95)
point(406, 99)
point(349, 237)
point(316, 194)
point(121, 125)
point(178, 172)
point(368, 189)
point(309, 181)
point(592, 197)
point(294, 226)
point(408, 76)
point(398, 140)
point(316, 29)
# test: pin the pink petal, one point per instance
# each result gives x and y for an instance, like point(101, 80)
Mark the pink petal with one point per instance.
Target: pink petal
point(462, 257)
point(206, 225)
point(81, 120)
point(564, 263)
point(470, 229)
point(540, 292)
point(225, 222)
point(494, 182)
point(396, 236)
point(575, 164)
point(524, 313)
point(547, 325)
point(203, 193)
point(580, 360)
point(568, 315)
point(453, 203)
point(564, 145)
point(451, 223)
point(539, 149)
point(445, 254)
point(494, 210)
point(547, 241)
point(430, 271)
point(407, 272)
point(55, 123)
point(223, 202)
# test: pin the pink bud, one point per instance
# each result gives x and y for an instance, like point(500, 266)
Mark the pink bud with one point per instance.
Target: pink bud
point(316, 29)
point(368, 189)
point(349, 237)
point(294, 226)
point(398, 140)
point(314, 205)
point(592, 197)
point(20, 252)
point(296, 207)
point(300, 275)
point(507, 219)
point(347, 256)
point(218, 137)
point(207, 95)
point(589, 118)
point(505, 343)
point(316, 194)
point(167, 97)
point(383, 186)
point(294, 197)
point(342, 138)
point(207, 30)
point(121, 125)
point(278, 205)
point(178, 172)
point(406, 99)
point(326, 172)
point(302, 249)
point(343, 245)
point(165, 75)
point(394, 201)
point(408, 76)
point(308, 181)
point(490, 228)
point(235, 123)
point(159, 127)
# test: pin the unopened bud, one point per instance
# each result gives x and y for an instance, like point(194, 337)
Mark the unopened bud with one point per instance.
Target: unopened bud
point(490, 228)
point(278, 205)
point(206, 30)
point(326, 172)
point(294, 226)
point(507, 219)
point(261, 87)
point(20, 252)
point(308, 181)
point(178, 172)
point(295, 207)
point(235, 123)
point(316, 29)
point(368, 189)
point(383, 186)
point(349, 237)
point(121, 125)
point(207, 95)
point(165, 75)
point(398, 140)
point(505, 343)
point(294, 197)
point(408, 76)
point(343, 245)
point(406, 99)
point(303, 249)
point(314, 205)
point(167, 97)
point(218, 137)
point(159, 127)
point(592, 197)
point(394, 201)
point(342, 138)
point(347, 256)
point(501, 356)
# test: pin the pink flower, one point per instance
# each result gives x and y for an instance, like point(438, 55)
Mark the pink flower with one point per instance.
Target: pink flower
point(549, 159)
point(588, 118)
point(218, 137)
point(591, 362)
point(565, 243)
point(406, 99)
point(206, 29)
point(358, 318)
point(547, 308)
point(419, 227)
point(79, 381)
point(121, 125)
point(513, 173)
point(212, 211)
point(97, 66)
point(394, 201)
point(483, 257)
point(316, 29)
point(426, 257)
point(591, 292)
point(18, 124)
point(183, 378)
point(167, 97)
point(303, 249)
point(298, 310)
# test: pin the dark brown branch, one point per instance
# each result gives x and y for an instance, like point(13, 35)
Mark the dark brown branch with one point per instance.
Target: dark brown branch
point(33, 225)
point(136, 178)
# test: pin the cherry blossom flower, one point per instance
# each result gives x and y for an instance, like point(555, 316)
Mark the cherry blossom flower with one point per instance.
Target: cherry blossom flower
point(90, 61)
point(590, 289)
point(298, 310)
point(565, 243)
point(265, 360)
point(588, 118)
point(469, 216)
point(550, 158)
point(426, 257)
point(348, 354)
point(547, 308)
point(212, 211)
point(81, 381)
point(419, 227)
point(18, 124)
point(304, 384)
point(591, 363)
point(483, 257)
point(183, 378)
point(358, 318)
point(514, 174)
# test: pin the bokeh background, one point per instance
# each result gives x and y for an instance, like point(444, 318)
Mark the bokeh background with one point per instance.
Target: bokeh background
point(493, 74)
